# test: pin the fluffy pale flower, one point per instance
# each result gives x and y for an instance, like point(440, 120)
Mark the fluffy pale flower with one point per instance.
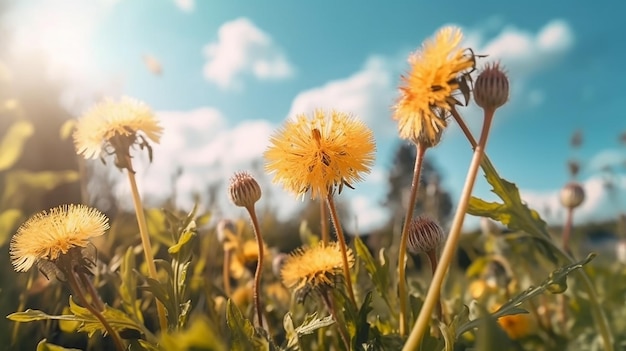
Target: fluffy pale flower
point(50, 234)
point(426, 95)
point(313, 267)
point(126, 118)
point(320, 153)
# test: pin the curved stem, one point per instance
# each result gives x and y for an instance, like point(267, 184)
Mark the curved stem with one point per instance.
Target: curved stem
point(145, 239)
point(342, 245)
point(449, 249)
point(78, 291)
point(259, 265)
point(91, 290)
point(415, 184)
point(324, 222)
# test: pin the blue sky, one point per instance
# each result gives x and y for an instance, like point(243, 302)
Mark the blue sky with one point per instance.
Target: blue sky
point(233, 71)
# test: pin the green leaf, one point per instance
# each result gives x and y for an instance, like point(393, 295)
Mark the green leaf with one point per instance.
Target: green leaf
point(128, 288)
point(89, 323)
point(290, 331)
point(201, 335)
point(8, 222)
point(45, 346)
point(19, 184)
point(312, 323)
point(117, 319)
point(13, 142)
point(243, 335)
point(512, 212)
point(379, 273)
point(363, 327)
point(490, 337)
point(512, 306)
point(187, 234)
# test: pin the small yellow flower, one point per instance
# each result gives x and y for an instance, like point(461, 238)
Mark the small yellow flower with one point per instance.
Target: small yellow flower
point(245, 257)
point(516, 326)
point(314, 267)
point(426, 96)
point(128, 119)
point(321, 153)
point(48, 235)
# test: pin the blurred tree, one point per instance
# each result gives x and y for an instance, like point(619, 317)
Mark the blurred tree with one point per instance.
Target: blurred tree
point(432, 199)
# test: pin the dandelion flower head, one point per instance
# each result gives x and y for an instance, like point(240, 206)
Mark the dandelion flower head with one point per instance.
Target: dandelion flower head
point(50, 234)
point(126, 118)
point(314, 267)
point(320, 153)
point(426, 95)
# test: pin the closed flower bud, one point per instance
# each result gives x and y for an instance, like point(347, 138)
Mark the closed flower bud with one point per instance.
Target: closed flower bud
point(572, 195)
point(244, 191)
point(491, 89)
point(425, 235)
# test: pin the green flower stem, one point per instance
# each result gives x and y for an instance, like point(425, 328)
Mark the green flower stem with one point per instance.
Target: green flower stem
point(324, 223)
point(342, 244)
point(597, 311)
point(91, 290)
point(259, 265)
point(330, 306)
point(432, 297)
point(226, 271)
point(415, 184)
point(78, 292)
point(145, 239)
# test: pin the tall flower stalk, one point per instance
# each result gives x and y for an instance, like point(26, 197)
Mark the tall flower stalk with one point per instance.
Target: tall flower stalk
point(113, 128)
point(437, 74)
point(490, 92)
point(244, 191)
point(321, 155)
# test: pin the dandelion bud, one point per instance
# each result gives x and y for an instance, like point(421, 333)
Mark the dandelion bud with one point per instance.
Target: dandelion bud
point(491, 89)
point(572, 195)
point(244, 190)
point(425, 235)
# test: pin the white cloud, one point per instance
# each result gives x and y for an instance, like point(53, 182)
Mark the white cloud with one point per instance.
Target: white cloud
point(524, 53)
point(186, 5)
point(368, 94)
point(244, 49)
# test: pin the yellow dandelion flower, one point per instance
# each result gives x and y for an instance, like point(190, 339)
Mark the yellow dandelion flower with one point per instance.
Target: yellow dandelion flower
point(127, 119)
point(314, 267)
point(320, 153)
point(245, 257)
point(427, 93)
point(50, 234)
